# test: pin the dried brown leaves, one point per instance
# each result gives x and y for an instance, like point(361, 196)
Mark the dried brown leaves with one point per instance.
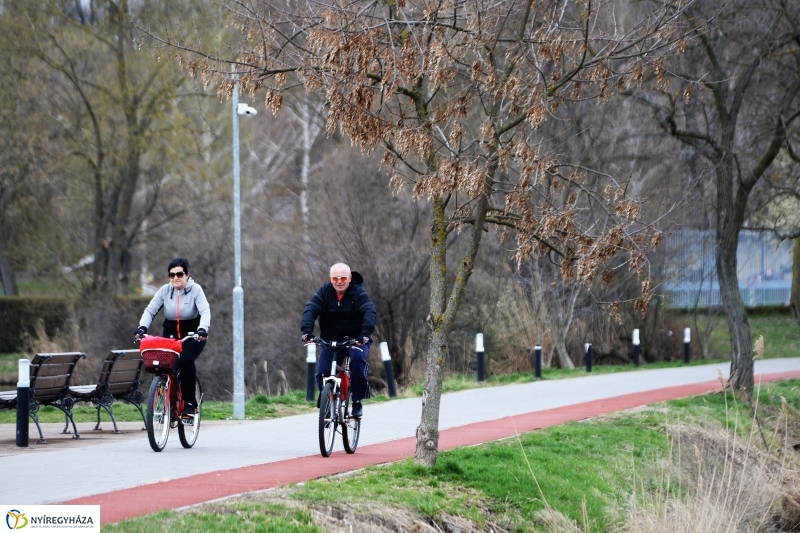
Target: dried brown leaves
point(456, 95)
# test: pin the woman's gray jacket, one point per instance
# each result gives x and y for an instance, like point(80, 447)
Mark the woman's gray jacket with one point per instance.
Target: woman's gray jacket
point(185, 311)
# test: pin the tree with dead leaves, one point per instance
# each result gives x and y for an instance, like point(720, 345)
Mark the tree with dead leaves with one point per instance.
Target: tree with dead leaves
point(458, 94)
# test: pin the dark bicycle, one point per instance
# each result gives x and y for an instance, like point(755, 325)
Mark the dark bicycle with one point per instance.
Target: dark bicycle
point(165, 399)
point(336, 400)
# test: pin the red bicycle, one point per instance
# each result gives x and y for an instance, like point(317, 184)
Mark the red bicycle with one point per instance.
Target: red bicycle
point(165, 400)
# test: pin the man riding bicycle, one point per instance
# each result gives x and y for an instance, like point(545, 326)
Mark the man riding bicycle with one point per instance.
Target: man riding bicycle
point(186, 310)
point(344, 310)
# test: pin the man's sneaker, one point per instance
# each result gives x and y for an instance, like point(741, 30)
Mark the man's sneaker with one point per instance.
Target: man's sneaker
point(189, 410)
point(357, 410)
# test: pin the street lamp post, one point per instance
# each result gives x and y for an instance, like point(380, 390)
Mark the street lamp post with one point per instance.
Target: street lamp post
point(238, 292)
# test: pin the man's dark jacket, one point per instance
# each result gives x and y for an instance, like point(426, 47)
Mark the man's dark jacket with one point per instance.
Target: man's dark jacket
point(353, 317)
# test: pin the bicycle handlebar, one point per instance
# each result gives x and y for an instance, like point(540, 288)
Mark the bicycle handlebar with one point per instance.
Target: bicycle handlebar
point(347, 343)
point(194, 336)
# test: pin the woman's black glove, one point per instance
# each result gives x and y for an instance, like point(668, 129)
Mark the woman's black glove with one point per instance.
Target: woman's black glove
point(140, 332)
point(203, 334)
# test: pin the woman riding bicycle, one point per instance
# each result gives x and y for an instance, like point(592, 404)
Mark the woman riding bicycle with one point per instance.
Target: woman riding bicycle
point(186, 310)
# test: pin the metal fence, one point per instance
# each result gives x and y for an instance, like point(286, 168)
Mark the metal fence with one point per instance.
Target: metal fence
point(764, 269)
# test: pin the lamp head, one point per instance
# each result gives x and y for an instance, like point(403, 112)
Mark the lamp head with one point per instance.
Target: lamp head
point(245, 109)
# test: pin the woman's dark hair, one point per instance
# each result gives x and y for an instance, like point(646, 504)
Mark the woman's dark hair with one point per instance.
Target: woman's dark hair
point(179, 261)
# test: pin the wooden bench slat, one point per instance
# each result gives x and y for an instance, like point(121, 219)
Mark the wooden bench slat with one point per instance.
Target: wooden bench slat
point(53, 370)
point(123, 375)
point(8, 395)
point(48, 396)
point(56, 358)
point(127, 365)
point(50, 382)
point(83, 389)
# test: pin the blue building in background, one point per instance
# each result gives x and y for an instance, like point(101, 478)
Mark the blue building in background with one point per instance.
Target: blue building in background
point(764, 268)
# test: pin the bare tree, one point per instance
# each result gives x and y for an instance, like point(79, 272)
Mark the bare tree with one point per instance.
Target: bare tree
point(733, 97)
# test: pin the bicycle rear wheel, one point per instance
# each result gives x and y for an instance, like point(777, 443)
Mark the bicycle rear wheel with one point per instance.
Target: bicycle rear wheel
point(351, 427)
point(188, 430)
point(158, 413)
point(327, 420)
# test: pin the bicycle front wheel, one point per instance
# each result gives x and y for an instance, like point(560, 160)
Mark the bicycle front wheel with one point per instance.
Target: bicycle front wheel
point(327, 419)
point(158, 413)
point(188, 429)
point(351, 427)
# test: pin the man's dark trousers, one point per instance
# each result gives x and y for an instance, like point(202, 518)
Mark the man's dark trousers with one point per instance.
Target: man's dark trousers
point(358, 368)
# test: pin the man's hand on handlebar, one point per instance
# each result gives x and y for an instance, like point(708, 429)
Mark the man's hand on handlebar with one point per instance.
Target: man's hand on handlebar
point(307, 338)
point(362, 341)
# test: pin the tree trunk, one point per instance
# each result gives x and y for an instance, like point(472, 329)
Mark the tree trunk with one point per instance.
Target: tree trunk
point(442, 316)
point(560, 322)
point(730, 212)
point(794, 298)
point(428, 430)
point(307, 142)
point(564, 360)
point(123, 234)
point(7, 267)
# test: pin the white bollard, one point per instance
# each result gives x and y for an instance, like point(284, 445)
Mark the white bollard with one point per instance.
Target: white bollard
point(387, 367)
point(311, 372)
point(479, 356)
point(23, 402)
point(687, 339)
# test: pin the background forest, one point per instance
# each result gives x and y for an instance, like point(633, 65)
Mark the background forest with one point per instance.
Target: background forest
point(117, 157)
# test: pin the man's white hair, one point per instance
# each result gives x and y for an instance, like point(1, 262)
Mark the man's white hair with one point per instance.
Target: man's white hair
point(340, 265)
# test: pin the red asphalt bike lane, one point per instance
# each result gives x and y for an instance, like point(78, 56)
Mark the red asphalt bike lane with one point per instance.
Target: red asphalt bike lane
point(176, 493)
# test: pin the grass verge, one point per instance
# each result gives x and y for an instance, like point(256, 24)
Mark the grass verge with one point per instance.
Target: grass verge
point(598, 475)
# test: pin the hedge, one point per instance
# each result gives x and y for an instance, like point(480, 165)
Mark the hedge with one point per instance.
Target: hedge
point(18, 316)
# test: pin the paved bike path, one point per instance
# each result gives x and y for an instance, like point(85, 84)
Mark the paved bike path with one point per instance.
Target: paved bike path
point(127, 479)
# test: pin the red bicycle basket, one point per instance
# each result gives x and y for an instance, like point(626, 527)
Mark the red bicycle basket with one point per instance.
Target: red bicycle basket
point(160, 354)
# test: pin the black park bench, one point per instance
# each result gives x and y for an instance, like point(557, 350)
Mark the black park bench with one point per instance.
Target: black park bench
point(119, 380)
point(50, 375)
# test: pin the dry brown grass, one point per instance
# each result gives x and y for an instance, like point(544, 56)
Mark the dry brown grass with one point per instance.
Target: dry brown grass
point(717, 481)
point(41, 342)
point(358, 517)
point(68, 340)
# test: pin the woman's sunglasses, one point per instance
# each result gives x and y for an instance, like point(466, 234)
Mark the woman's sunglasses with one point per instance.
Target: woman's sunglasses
point(178, 275)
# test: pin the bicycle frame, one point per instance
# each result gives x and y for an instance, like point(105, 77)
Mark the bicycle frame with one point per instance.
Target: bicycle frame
point(175, 394)
point(333, 415)
point(340, 377)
